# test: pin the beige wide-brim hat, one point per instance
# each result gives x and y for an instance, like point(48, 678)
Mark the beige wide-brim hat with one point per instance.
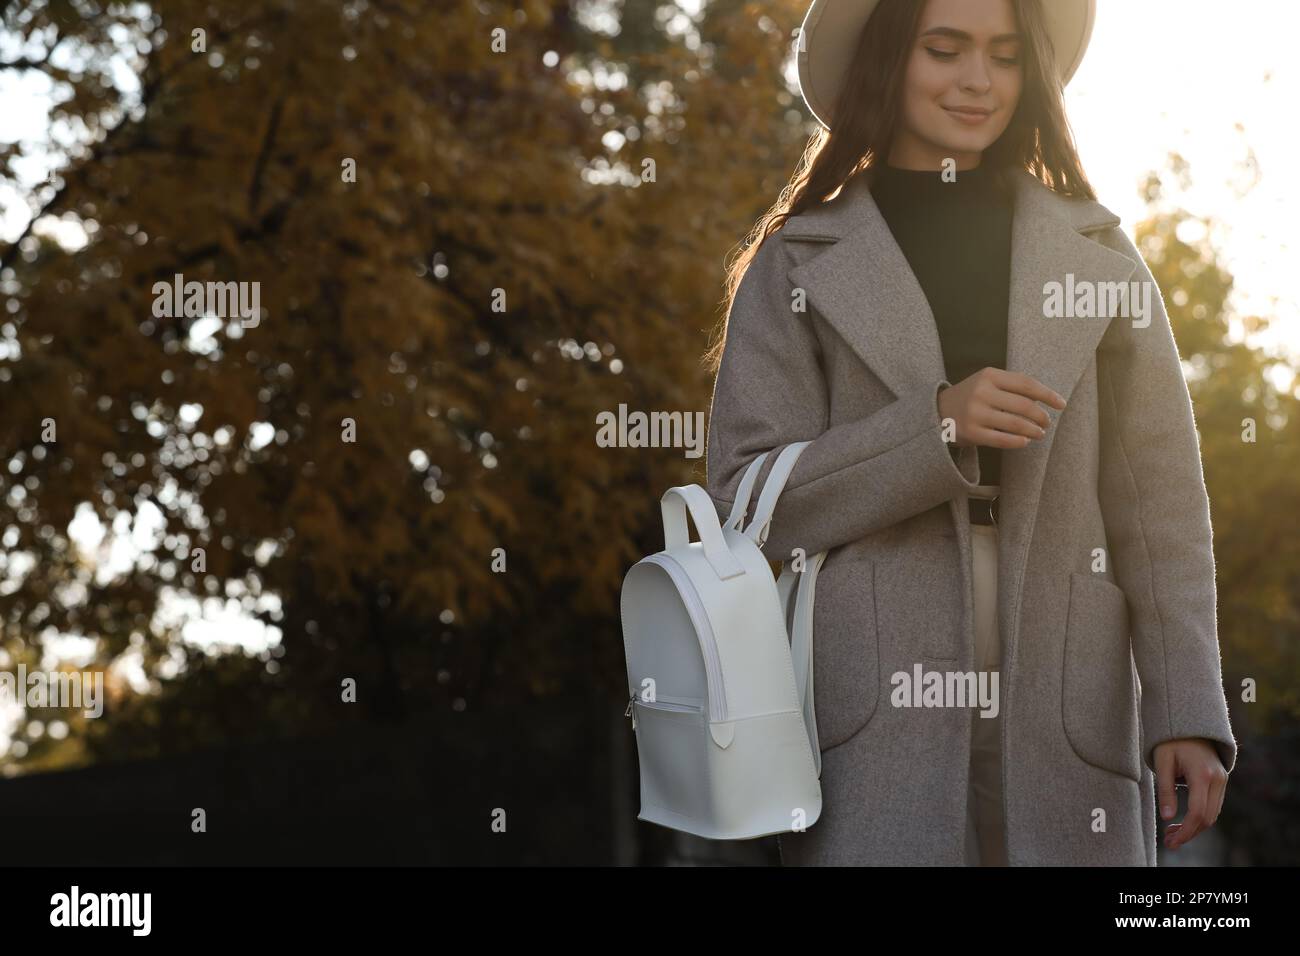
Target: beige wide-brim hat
point(832, 29)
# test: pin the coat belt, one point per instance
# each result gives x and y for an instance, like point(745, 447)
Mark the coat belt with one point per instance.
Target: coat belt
point(983, 504)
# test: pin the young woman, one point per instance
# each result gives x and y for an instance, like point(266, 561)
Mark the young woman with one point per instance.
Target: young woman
point(1003, 463)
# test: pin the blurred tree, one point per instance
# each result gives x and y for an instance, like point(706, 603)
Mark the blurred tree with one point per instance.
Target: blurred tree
point(1237, 390)
point(515, 167)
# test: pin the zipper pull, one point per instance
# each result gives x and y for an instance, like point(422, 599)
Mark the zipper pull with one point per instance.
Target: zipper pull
point(628, 712)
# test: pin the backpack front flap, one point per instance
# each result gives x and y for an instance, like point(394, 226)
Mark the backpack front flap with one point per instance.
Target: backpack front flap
point(741, 622)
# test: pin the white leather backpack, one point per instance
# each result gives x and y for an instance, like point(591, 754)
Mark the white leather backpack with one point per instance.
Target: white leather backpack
point(719, 666)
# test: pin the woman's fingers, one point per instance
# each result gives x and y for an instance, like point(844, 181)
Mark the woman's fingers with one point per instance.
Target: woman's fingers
point(992, 438)
point(1015, 424)
point(1218, 789)
point(1014, 404)
point(1027, 386)
point(1012, 414)
point(1199, 766)
point(1198, 797)
point(1000, 409)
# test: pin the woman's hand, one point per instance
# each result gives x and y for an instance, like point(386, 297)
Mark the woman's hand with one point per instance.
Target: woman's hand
point(998, 408)
point(1197, 762)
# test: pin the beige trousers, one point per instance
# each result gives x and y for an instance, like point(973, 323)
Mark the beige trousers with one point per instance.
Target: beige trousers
point(985, 830)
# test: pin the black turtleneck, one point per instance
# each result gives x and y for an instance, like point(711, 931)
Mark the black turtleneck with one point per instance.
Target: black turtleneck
point(956, 236)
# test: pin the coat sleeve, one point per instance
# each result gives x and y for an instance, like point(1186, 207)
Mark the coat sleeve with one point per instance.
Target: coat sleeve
point(1157, 518)
point(854, 478)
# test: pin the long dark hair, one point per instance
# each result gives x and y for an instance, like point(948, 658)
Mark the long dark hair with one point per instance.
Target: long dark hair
point(865, 121)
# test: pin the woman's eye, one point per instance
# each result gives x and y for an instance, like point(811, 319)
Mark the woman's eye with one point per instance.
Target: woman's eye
point(940, 54)
point(1007, 60)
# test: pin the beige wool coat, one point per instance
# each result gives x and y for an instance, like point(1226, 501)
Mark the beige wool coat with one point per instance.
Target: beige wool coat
point(1099, 666)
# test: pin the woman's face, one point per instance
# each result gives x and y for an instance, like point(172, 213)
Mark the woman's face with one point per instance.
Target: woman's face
point(963, 81)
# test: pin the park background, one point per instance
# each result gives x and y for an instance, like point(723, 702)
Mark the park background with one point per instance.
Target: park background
point(127, 155)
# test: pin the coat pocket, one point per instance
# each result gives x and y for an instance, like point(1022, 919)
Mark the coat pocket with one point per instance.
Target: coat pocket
point(1098, 695)
point(846, 650)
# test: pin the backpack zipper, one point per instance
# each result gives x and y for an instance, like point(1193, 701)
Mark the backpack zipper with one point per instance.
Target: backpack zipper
point(700, 619)
point(660, 704)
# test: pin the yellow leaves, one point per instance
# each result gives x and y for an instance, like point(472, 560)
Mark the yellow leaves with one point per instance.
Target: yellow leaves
point(227, 240)
point(539, 13)
point(426, 588)
point(322, 542)
point(499, 509)
point(474, 174)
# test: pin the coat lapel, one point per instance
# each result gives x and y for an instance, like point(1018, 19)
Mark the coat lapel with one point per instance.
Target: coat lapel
point(864, 287)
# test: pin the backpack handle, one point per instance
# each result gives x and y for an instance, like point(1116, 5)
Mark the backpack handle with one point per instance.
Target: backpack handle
point(772, 488)
point(674, 505)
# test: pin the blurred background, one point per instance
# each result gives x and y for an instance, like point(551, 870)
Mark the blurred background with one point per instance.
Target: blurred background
point(350, 567)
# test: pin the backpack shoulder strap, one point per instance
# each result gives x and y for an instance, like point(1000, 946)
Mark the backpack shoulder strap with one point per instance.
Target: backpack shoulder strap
point(772, 488)
point(741, 506)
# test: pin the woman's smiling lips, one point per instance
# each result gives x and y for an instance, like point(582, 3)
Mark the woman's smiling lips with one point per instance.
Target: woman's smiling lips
point(970, 115)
